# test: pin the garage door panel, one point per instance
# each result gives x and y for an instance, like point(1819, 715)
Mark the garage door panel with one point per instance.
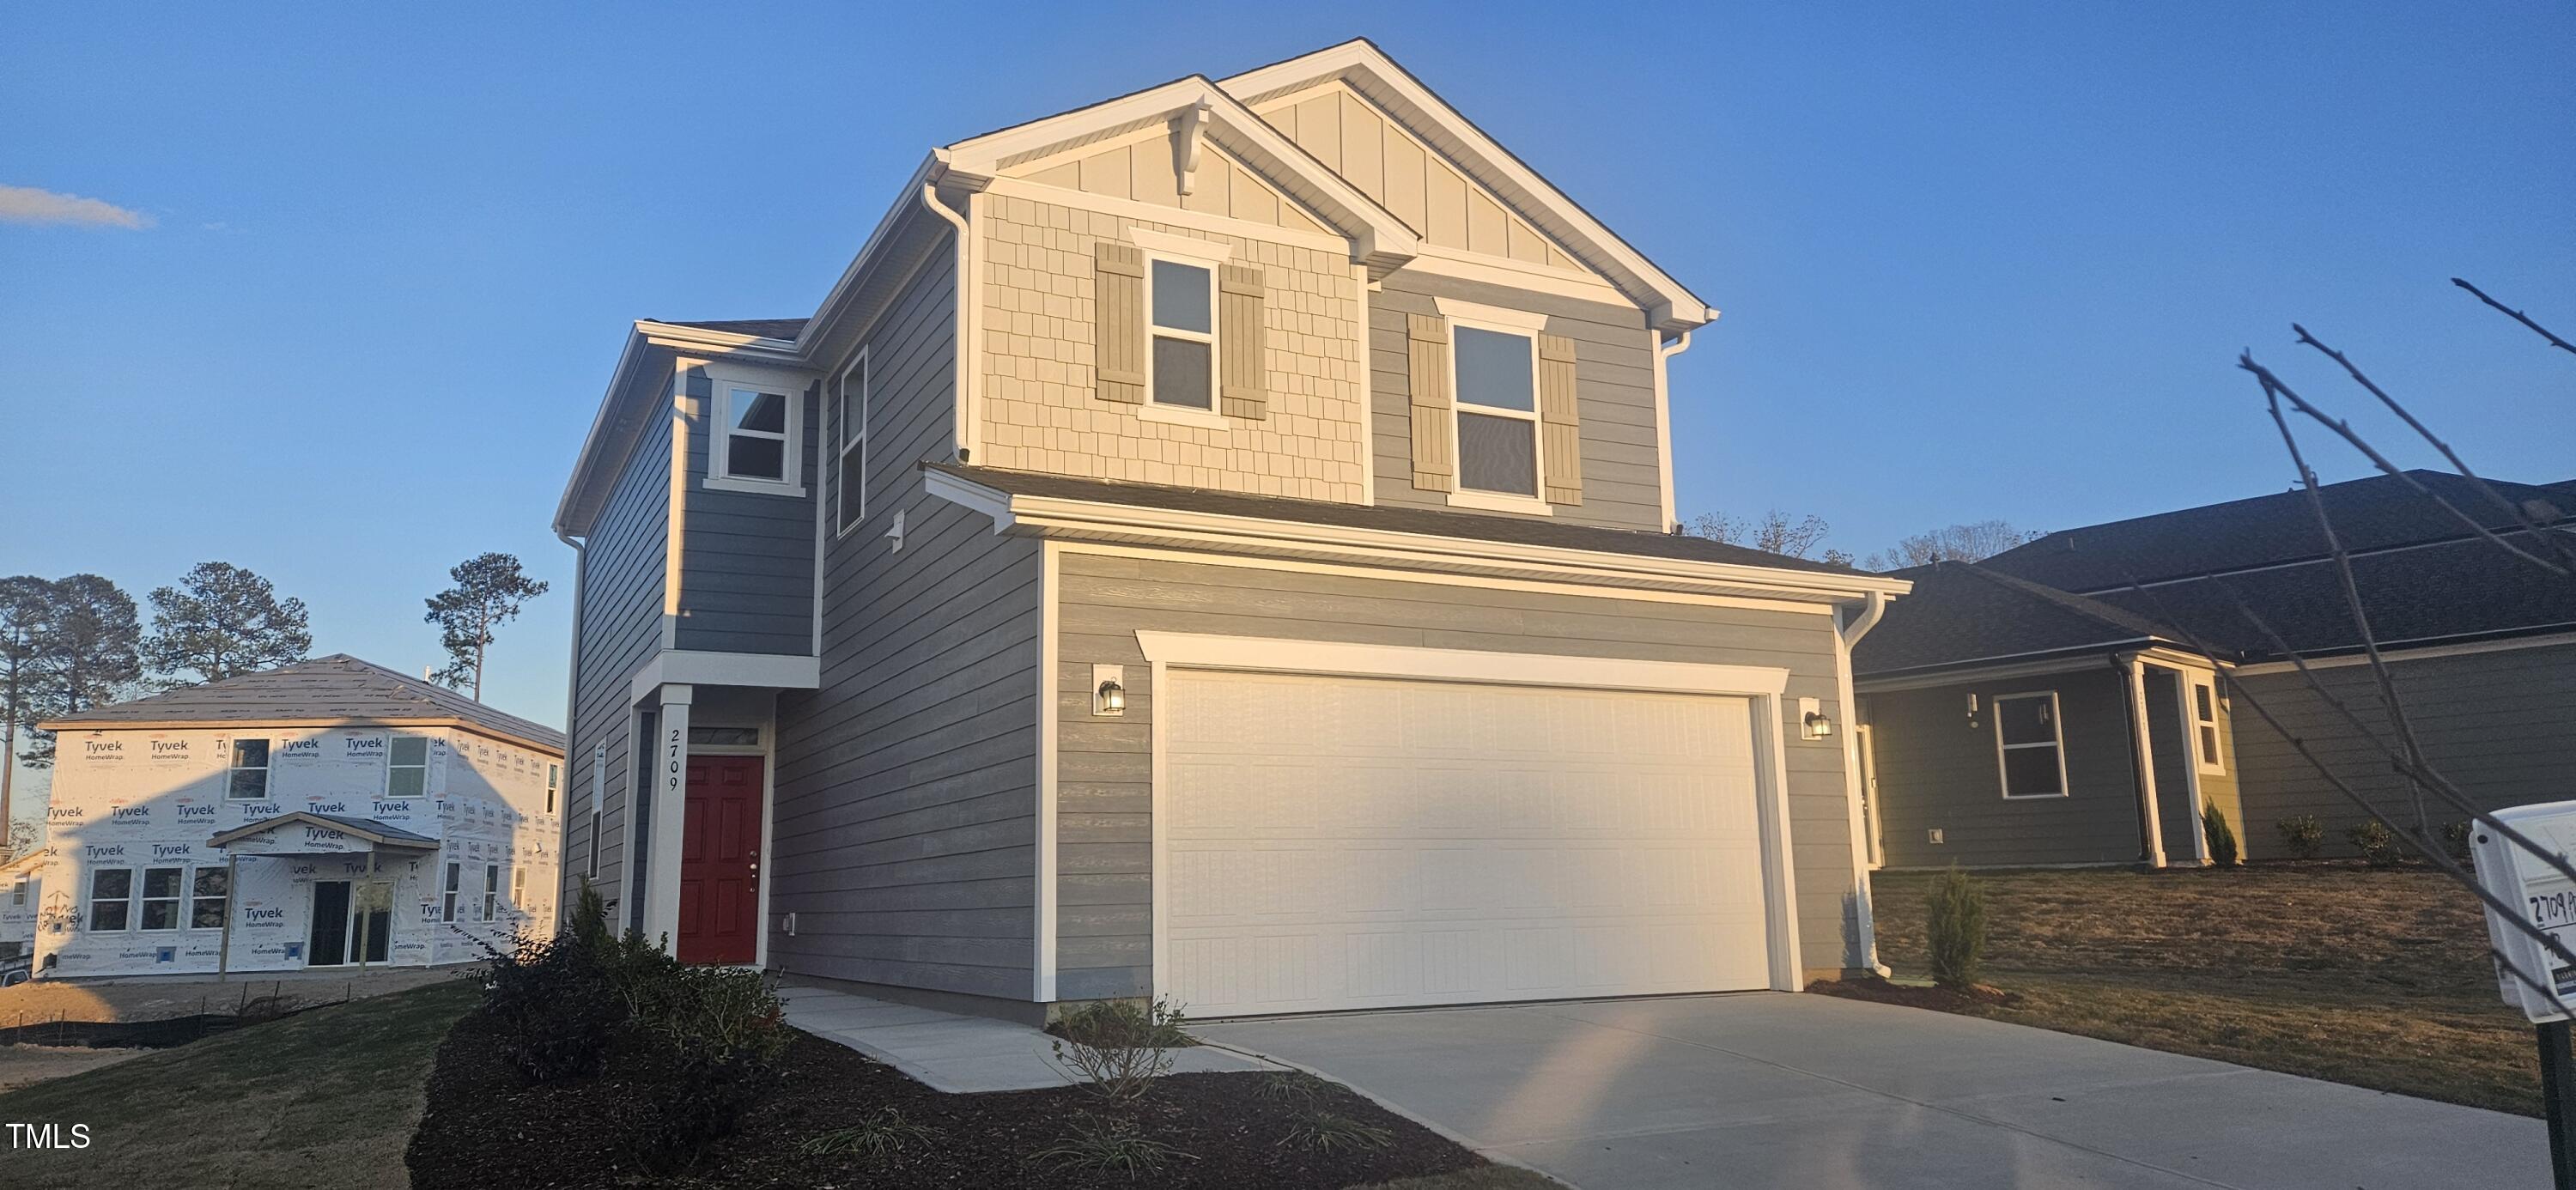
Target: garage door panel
point(1350, 843)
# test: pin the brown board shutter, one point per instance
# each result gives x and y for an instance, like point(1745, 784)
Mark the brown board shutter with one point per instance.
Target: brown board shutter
point(1239, 331)
point(1435, 450)
point(1118, 306)
point(1560, 434)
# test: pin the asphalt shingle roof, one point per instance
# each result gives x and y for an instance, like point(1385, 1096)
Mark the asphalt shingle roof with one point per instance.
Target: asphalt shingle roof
point(1960, 613)
point(1431, 522)
point(338, 688)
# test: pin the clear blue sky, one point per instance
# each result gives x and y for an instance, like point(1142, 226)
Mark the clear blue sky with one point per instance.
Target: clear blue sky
point(1975, 261)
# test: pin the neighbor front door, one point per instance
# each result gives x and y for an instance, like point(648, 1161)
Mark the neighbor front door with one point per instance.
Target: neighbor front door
point(720, 861)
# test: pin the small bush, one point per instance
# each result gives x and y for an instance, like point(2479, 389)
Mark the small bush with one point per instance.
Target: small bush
point(2302, 836)
point(2222, 837)
point(1957, 925)
point(2455, 839)
point(874, 1139)
point(1109, 1146)
point(1119, 1047)
point(557, 1013)
point(1294, 1087)
point(1330, 1133)
point(2377, 843)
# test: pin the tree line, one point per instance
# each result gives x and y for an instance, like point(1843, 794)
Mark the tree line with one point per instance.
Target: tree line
point(1800, 537)
point(70, 644)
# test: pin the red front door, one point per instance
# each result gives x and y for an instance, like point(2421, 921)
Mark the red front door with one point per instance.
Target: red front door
point(720, 861)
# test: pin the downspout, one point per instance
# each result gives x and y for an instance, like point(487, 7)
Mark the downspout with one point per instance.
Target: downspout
point(1846, 635)
point(1665, 350)
point(965, 286)
point(572, 725)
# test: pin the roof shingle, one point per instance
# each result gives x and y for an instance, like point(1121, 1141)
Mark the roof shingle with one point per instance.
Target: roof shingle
point(338, 688)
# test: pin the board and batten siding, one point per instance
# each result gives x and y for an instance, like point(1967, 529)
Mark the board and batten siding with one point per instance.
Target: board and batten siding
point(2500, 725)
point(746, 558)
point(904, 832)
point(1614, 370)
point(622, 590)
point(1104, 774)
point(1937, 769)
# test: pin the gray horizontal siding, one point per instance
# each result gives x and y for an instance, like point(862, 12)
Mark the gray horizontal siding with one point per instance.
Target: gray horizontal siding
point(619, 627)
point(1104, 777)
point(905, 833)
point(746, 558)
point(1614, 388)
point(2501, 726)
point(1937, 769)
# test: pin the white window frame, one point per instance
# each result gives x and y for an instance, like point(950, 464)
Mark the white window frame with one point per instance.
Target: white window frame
point(554, 785)
point(1500, 320)
point(491, 889)
point(188, 910)
point(90, 901)
point(391, 764)
point(2192, 685)
point(720, 432)
point(178, 899)
point(447, 900)
point(842, 443)
point(518, 885)
point(1196, 254)
point(2056, 739)
point(266, 769)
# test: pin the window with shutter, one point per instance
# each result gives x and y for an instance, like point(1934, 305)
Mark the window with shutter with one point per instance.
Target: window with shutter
point(1435, 467)
point(1118, 310)
point(1240, 337)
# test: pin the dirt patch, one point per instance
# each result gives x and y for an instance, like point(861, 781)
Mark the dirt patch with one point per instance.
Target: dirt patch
point(27, 1065)
point(1231, 1130)
point(2370, 976)
point(154, 998)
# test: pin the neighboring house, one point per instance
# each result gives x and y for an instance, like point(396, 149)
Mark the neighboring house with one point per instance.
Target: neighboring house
point(328, 813)
point(2006, 704)
point(1214, 543)
point(21, 894)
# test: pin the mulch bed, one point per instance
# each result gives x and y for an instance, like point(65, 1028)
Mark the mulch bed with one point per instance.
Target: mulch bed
point(482, 1129)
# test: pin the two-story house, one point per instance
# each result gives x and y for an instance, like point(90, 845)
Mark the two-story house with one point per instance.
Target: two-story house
point(1214, 543)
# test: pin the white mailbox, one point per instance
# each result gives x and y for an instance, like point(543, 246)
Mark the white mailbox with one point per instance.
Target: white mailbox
point(2545, 897)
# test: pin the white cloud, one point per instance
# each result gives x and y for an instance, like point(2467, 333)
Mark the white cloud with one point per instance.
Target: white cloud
point(27, 204)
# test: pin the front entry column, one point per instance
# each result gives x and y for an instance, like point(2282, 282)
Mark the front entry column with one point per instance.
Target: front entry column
point(670, 794)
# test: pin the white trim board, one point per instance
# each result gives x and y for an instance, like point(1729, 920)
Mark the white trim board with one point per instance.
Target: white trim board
point(1761, 684)
point(2423, 653)
point(1043, 964)
point(1434, 578)
point(783, 671)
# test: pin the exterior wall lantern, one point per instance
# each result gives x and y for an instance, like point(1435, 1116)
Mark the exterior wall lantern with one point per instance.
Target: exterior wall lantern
point(1812, 723)
point(1108, 690)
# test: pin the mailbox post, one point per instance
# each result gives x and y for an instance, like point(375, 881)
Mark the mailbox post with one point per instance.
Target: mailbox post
point(2548, 904)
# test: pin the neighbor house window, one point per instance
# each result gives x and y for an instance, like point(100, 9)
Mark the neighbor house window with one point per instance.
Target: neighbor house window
point(447, 904)
point(111, 898)
point(1182, 367)
point(755, 435)
point(2204, 728)
point(249, 778)
point(2029, 746)
point(407, 770)
point(554, 785)
point(491, 889)
point(518, 887)
point(161, 897)
point(1497, 382)
point(207, 897)
point(851, 415)
point(18, 892)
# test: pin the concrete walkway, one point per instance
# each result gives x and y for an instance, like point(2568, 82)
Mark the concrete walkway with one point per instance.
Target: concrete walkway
point(958, 1054)
point(1770, 1090)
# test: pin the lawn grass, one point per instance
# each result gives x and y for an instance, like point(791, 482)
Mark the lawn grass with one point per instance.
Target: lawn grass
point(326, 1098)
point(2373, 977)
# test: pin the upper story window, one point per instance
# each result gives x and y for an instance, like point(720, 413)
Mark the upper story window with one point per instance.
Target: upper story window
point(1181, 368)
point(2028, 745)
point(1497, 373)
point(755, 437)
point(248, 779)
point(407, 773)
point(850, 413)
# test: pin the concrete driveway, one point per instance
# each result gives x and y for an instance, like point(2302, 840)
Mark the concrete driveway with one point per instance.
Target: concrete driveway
point(1808, 1091)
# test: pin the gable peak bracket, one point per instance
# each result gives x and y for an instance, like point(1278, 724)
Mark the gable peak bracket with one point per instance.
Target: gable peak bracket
point(1187, 137)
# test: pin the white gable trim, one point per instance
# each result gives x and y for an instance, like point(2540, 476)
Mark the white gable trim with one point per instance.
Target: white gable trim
point(1368, 71)
point(1376, 238)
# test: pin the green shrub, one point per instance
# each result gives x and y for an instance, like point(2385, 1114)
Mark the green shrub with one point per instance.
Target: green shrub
point(2302, 836)
point(1118, 1047)
point(873, 1139)
point(1109, 1146)
point(2222, 837)
point(555, 1012)
point(2455, 839)
point(1328, 1133)
point(1957, 925)
point(2377, 843)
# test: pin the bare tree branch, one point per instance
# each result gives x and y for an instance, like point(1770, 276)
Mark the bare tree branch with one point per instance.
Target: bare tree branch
point(2517, 316)
point(2275, 389)
point(2566, 557)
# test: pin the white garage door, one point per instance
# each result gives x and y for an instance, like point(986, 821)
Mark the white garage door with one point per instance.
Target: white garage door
point(1355, 843)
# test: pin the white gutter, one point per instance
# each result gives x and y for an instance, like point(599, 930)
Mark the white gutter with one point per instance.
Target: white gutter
point(964, 285)
point(1869, 618)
